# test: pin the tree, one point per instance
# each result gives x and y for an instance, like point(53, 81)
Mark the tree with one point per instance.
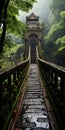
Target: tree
point(2, 2)
point(56, 7)
point(55, 38)
point(20, 4)
point(4, 25)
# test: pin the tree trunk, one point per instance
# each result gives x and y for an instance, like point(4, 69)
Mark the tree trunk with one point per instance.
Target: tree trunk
point(2, 2)
point(4, 25)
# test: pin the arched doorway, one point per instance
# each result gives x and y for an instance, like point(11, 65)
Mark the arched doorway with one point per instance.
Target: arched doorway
point(33, 43)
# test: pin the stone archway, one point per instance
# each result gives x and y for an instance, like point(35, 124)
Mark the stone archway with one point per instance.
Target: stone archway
point(33, 43)
point(33, 34)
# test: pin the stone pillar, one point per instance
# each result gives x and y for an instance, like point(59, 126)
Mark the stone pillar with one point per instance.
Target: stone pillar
point(39, 48)
point(26, 48)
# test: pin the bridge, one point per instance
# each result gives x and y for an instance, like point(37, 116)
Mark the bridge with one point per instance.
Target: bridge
point(32, 93)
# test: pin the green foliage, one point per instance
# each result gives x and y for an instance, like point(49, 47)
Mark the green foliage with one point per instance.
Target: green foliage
point(61, 41)
point(24, 5)
point(13, 25)
point(61, 49)
point(62, 14)
point(54, 32)
point(54, 42)
point(56, 7)
point(8, 57)
point(61, 44)
point(9, 10)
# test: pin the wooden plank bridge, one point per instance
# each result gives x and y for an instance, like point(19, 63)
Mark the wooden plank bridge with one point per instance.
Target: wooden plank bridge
point(24, 96)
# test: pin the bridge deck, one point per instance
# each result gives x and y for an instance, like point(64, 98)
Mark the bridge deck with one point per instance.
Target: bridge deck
point(34, 114)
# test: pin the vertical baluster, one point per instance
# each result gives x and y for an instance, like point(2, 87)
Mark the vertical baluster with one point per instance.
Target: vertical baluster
point(1, 89)
point(56, 80)
point(55, 85)
point(62, 93)
point(51, 77)
point(9, 90)
point(9, 80)
point(18, 74)
point(21, 74)
point(62, 84)
point(14, 77)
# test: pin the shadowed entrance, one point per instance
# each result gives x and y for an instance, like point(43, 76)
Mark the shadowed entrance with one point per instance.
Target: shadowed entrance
point(33, 49)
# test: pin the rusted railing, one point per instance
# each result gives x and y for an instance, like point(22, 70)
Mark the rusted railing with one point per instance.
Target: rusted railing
point(10, 87)
point(55, 81)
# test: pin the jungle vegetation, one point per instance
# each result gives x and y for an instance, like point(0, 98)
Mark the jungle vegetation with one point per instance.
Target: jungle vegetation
point(11, 52)
point(54, 40)
point(12, 30)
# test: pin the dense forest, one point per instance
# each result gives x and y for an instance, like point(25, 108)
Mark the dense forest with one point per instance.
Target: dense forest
point(54, 39)
point(11, 52)
point(12, 31)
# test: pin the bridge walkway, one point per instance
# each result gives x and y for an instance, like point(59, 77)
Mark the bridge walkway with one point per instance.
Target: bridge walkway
point(36, 112)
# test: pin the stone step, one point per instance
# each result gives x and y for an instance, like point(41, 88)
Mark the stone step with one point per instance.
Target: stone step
point(33, 115)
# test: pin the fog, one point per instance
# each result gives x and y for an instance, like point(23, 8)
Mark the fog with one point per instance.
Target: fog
point(41, 8)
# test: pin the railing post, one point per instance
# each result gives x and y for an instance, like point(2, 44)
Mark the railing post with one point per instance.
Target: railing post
point(9, 80)
point(18, 73)
point(14, 77)
point(56, 80)
point(51, 77)
point(62, 84)
point(0, 89)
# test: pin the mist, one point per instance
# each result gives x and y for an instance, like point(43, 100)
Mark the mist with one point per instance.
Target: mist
point(41, 8)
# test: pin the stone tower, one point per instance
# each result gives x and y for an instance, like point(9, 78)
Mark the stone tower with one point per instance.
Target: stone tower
point(33, 34)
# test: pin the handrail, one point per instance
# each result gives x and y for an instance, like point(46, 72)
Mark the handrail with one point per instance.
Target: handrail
point(54, 76)
point(53, 66)
point(10, 85)
point(15, 66)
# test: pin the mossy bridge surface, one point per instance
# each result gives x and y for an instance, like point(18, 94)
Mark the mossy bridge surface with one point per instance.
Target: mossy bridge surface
point(32, 95)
